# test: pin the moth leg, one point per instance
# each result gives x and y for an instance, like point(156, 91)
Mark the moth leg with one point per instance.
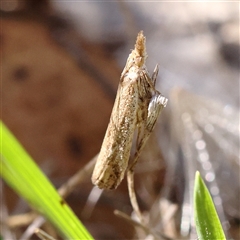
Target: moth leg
point(156, 104)
point(150, 81)
point(139, 141)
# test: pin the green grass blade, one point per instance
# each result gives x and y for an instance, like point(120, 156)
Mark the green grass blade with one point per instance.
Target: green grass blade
point(206, 219)
point(23, 175)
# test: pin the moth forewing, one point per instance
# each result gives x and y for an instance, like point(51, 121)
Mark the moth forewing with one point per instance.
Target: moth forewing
point(156, 104)
point(137, 106)
point(155, 100)
point(113, 158)
point(153, 108)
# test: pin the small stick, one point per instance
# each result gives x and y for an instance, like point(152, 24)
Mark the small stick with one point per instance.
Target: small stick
point(132, 194)
point(77, 178)
point(145, 228)
point(133, 222)
point(21, 219)
point(43, 235)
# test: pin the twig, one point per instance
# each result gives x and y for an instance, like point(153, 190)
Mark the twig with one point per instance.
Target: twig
point(145, 228)
point(21, 219)
point(77, 178)
point(43, 235)
point(91, 202)
point(132, 194)
point(168, 209)
point(4, 214)
point(37, 223)
point(133, 222)
point(130, 175)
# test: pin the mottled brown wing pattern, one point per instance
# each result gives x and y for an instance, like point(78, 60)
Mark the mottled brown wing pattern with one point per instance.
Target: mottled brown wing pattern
point(137, 106)
point(115, 152)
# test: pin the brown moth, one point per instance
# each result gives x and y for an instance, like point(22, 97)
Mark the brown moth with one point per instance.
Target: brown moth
point(137, 107)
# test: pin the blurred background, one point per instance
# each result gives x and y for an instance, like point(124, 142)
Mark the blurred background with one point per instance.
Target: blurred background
point(60, 67)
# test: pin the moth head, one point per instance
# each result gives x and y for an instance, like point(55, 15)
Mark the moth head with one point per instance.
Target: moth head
point(140, 50)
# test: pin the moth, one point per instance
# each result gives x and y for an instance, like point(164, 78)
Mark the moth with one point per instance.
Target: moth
point(136, 108)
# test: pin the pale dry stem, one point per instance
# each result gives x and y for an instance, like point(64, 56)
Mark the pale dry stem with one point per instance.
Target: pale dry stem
point(43, 235)
point(133, 222)
point(131, 190)
point(21, 219)
point(77, 178)
point(145, 228)
point(132, 194)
